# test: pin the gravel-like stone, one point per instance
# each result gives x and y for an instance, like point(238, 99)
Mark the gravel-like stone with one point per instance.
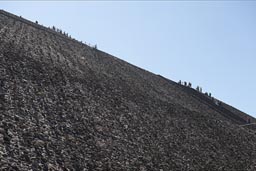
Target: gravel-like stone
point(67, 106)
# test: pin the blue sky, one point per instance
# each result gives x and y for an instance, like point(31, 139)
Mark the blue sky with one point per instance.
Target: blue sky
point(211, 44)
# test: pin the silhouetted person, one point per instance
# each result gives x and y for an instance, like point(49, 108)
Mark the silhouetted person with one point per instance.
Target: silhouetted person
point(197, 88)
point(185, 83)
point(200, 89)
point(189, 84)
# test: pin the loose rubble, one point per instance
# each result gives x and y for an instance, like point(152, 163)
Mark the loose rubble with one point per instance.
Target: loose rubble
point(67, 106)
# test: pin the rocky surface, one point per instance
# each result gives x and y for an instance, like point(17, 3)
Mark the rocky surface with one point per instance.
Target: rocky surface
point(67, 106)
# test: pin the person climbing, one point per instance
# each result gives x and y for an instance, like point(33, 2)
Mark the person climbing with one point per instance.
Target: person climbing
point(197, 88)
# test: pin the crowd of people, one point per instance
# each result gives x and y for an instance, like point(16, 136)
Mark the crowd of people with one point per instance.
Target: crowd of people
point(199, 89)
point(57, 30)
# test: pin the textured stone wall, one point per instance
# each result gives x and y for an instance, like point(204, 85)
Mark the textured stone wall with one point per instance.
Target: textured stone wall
point(67, 106)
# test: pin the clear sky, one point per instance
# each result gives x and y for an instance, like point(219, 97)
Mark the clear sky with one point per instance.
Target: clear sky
point(211, 44)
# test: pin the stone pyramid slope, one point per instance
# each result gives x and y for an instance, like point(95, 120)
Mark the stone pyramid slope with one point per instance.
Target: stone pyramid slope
point(67, 106)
